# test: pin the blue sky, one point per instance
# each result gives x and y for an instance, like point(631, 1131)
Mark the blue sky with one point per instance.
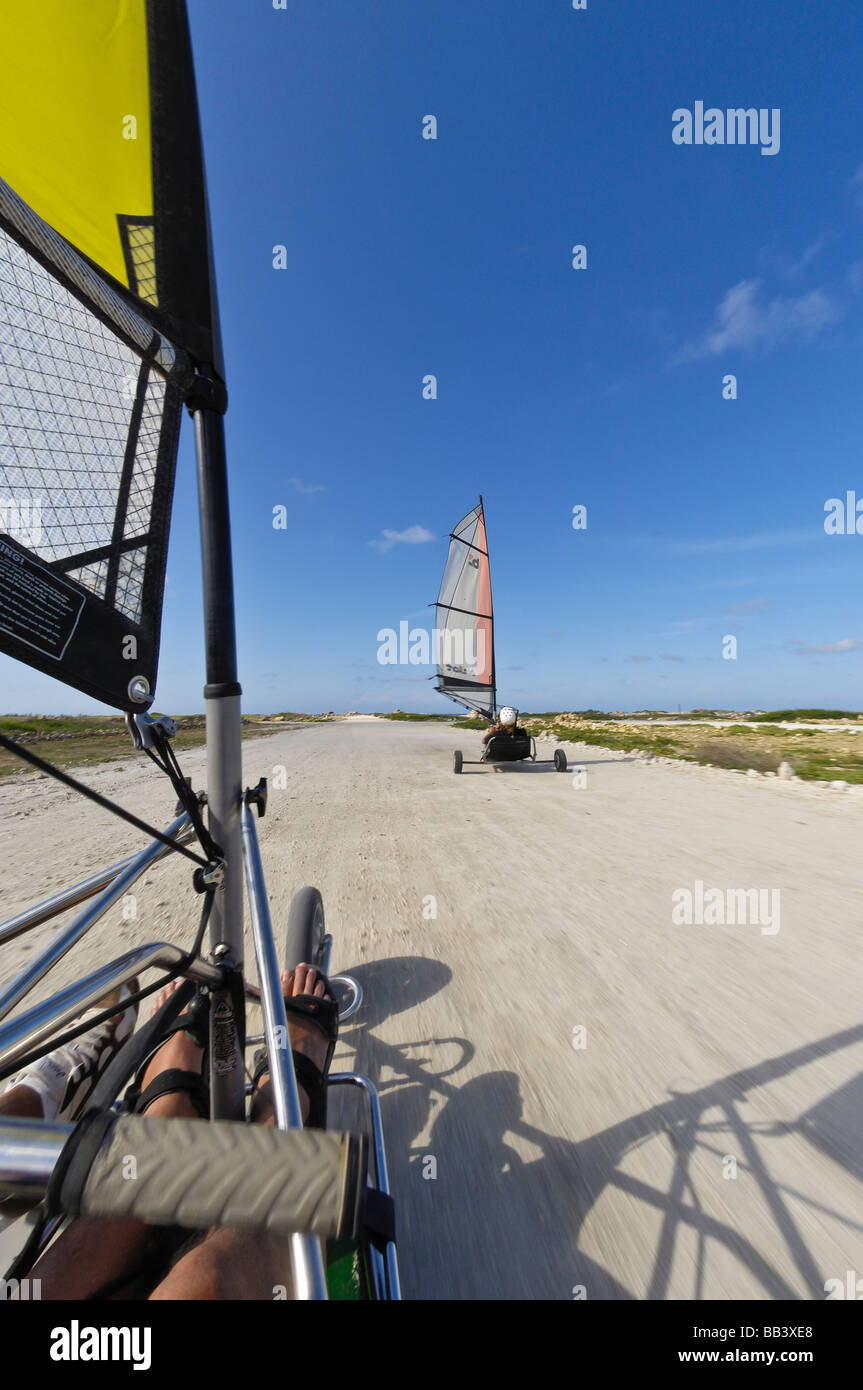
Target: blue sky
point(556, 387)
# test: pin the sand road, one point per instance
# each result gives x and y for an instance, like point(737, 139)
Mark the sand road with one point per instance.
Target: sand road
point(579, 1093)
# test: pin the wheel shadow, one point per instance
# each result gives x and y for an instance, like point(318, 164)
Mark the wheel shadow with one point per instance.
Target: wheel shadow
point(511, 769)
point(490, 1206)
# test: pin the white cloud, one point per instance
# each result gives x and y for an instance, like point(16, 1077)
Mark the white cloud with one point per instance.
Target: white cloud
point(412, 535)
point(855, 275)
point(855, 186)
point(743, 321)
point(788, 266)
point(806, 256)
point(753, 605)
point(305, 488)
point(847, 644)
point(731, 545)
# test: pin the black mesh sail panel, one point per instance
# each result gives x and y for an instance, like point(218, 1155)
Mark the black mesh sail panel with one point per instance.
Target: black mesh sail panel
point(88, 438)
point(107, 318)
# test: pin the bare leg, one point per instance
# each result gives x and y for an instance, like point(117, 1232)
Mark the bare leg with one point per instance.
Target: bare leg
point(92, 1252)
point(22, 1101)
point(243, 1265)
point(56, 1085)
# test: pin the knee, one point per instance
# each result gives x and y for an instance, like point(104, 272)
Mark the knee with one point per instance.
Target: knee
point(197, 1275)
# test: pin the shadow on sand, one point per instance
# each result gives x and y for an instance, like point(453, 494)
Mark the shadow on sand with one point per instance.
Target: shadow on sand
point(477, 1221)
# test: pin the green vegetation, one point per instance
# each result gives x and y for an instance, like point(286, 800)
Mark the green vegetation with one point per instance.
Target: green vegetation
point(819, 764)
point(13, 726)
point(815, 754)
point(471, 724)
point(401, 714)
point(558, 714)
point(661, 744)
point(78, 740)
point(796, 714)
point(727, 754)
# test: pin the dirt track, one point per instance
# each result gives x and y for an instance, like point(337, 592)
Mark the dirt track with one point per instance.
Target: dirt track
point(556, 1166)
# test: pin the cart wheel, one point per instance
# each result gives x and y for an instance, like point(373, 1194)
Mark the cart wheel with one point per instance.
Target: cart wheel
point(560, 760)
point(305, 937)
point(457, 760)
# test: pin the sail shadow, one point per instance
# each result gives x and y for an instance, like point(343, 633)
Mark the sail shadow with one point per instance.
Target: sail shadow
point(493, 1207)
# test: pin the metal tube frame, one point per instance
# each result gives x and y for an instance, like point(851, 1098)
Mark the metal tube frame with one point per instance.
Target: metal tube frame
point(310, 1281)
point(224, 754)
point(78, 893)
point(69, 936)
point(384, 1268)
point(22, 1034)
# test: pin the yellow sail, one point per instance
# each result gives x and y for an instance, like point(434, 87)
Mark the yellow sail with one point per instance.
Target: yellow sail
point(75, 127)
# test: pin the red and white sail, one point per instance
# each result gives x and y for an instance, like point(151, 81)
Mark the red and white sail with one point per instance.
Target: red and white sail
point(465, 621)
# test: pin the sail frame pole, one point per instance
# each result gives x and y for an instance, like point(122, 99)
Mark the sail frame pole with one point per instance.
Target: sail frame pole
point(222, 694)
point(491, 617)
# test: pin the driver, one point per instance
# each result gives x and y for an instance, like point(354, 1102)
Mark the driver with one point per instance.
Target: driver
point(505, 723)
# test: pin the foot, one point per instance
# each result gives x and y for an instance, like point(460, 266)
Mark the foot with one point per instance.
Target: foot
point(61, 1082)
point(178, 1052)
point(304, 1037)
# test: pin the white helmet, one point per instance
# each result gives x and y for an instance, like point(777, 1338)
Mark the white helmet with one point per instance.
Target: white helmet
point(508, 715)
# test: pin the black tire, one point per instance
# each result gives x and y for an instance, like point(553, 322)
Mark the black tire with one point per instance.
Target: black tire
point(457, 760)
point(305, 937)
point(559, 760)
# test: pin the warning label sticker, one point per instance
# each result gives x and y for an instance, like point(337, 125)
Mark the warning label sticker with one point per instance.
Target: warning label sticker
point(36, 606)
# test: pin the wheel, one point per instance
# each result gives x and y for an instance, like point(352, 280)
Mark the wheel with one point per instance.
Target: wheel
point(305, 937)
point(560, 760)
point(457, 760)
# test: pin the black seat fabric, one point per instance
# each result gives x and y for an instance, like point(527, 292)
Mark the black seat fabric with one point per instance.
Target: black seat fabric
point(508, 747)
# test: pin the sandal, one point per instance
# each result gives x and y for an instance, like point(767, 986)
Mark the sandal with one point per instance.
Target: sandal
point(324, 1014)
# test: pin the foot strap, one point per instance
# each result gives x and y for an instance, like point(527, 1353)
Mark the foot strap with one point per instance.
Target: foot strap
point(324, 1013)
point(310, 1077)
point(313, 1082)
point(170, 1083)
